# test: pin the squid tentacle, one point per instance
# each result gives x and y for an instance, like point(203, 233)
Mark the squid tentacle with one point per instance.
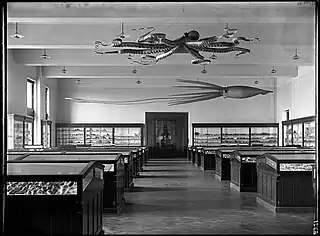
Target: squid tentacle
point(203, 98)
point(201, 83)
point(191, 87)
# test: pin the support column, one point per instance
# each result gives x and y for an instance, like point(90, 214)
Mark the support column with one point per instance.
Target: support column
point(38, 105)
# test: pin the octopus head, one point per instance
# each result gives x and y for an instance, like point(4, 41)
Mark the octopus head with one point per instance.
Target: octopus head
point(192, 35)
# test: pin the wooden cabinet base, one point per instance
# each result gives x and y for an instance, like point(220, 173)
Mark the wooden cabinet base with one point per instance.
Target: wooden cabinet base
point(117, 209)
point(129, 188)
point(276, 209)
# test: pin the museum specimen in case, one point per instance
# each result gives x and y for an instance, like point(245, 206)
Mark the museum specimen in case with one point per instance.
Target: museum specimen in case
point(299, 132)
point(54, 198)
point(235, 134)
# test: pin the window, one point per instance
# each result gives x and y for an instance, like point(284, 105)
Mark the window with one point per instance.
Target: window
point(287, 114)
point(30, 97)
point(47, 102)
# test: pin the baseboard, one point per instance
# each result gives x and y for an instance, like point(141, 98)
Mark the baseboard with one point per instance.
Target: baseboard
point(218, 177)
point(235, 187)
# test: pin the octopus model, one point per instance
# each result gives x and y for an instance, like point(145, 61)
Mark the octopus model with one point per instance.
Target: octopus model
point(154, 47)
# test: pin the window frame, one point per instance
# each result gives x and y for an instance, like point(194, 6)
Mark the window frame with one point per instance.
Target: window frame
point(47, 102)
point(31, 110)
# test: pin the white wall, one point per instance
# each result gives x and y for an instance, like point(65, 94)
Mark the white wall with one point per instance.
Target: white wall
point(17, 86)
point(297, 94)
point(16, 92)
point(255, 109)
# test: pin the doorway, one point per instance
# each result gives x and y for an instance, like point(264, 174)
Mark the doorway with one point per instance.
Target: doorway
point(166, 134)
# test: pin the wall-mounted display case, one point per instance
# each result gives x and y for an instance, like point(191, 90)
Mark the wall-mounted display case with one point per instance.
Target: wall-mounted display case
point(46, 131)
point(99, 135)
point(299, 132)
point(284, 181)
point(20, 131)
point(54, 198)
point(235, 134)
point(113, 172)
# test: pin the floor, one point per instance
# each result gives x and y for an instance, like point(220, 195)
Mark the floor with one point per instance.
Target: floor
point(178, 198)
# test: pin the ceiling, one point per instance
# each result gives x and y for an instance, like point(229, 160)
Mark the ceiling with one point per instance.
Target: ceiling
point(68, 32)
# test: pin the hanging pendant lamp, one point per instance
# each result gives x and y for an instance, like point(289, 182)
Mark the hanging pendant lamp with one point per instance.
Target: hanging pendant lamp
point(16, 35)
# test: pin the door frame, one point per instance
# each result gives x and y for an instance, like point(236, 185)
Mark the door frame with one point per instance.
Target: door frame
point(150, 117)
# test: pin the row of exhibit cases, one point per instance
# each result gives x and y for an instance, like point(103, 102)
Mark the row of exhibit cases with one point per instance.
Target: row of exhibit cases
point(99, 134)
point(273, 157)
point(299, 132)
point(260, 134)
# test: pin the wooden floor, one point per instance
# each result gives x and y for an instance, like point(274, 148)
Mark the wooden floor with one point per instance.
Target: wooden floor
point(177, 198)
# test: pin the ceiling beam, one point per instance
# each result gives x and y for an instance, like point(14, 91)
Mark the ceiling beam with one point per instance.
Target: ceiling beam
point(260, 54)
point(221, 12)
point(173, 71)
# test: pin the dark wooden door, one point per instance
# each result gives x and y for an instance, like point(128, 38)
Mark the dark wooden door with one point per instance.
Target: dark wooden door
point(167, 134)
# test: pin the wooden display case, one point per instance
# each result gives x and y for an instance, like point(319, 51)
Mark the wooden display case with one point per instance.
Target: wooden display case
point(20, 131)
point(127, 154)
point(99, 135)
point(193, 154)
point(284, 182)
point(113, 173)
point(235, 134)
point(46, 131)
point(223, 163)
point(244, 169)
point(54, 198)
point(208, 160)
point(198, 156)
point(145, 155)
point(299, 132)
point(189, 150)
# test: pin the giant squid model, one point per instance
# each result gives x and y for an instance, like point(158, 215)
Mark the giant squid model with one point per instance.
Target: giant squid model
point(156, 46)
point(208, 91)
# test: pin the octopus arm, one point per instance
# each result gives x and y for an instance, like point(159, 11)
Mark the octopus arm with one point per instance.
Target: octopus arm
point(167, 54)
point(194, 53)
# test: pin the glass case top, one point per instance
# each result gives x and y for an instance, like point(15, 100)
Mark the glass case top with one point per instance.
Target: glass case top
point(294, 156)
point(60, 157)
point(45, 169)
point(252, 153)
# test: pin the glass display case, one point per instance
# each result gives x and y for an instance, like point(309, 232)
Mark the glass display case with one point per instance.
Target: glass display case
point(127, 136)
point(207, 136)
point(28, 131)
point(290, 185)
point(20, 131)
point(70, 136)
point(264, 136)
point(287, 134)
point(46, 131)
point(113, 172)
point(98, 136)
point(54, 198)
point(299, 132)
point(235, 134)
point(309, 134)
